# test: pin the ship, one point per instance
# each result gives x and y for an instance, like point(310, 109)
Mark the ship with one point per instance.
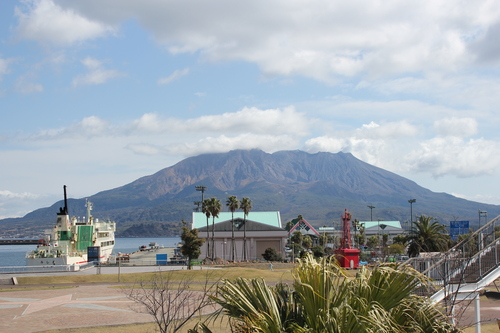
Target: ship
point(74, 241)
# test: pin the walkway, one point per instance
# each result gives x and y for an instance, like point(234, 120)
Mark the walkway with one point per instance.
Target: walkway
point(75, 306)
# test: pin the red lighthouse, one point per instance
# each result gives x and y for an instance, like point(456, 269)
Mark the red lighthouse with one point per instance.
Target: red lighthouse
point(347, 256)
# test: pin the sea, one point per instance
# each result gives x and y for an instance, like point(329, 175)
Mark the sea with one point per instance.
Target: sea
point(14, 255)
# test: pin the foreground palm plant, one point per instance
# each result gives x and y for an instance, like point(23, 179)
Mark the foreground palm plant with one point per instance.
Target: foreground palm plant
point(323, 299)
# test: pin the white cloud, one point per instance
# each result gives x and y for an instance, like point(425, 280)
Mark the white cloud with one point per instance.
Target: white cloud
point(44, 21)
point(6, 194)
point(4, 66)
point(223, 143)
point(340, 39)
point(96, 73)
point(459, 127)
point(92, 126)
point(452, 155)
point(25, 85)
point(255, 120)
point(174, 76)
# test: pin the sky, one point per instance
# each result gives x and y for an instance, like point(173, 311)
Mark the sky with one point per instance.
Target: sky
point(95, 94)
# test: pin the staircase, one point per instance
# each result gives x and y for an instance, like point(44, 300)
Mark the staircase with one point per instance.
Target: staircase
point(464, 270)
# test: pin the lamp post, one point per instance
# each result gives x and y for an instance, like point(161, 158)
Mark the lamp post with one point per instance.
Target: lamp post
point(371, 211)
point(224, 252)
point(484, 214)
point(411, 201)
point(202, 189)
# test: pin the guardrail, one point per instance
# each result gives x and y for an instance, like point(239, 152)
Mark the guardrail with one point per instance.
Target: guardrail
point(470, 261)
point(45, 269)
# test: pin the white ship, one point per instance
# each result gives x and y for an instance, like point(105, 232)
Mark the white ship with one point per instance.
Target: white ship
point(73, 241)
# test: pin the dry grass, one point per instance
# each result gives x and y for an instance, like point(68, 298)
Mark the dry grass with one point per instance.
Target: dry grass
point(485, 328)
point(282, 273)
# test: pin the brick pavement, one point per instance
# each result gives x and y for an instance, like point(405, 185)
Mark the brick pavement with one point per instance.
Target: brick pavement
point(79, 306)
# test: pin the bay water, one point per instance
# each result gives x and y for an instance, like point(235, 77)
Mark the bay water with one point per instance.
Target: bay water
point(14, 255)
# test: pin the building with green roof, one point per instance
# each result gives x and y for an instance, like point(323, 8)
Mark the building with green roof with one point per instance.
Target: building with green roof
point(263, 230)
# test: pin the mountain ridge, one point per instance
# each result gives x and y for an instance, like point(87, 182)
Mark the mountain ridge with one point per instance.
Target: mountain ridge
point(317, 186)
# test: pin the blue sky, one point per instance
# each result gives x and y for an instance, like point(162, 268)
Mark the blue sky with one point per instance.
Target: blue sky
point(95, 94)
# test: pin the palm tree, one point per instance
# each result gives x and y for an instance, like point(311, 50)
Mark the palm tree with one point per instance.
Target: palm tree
point(214, 206)
point(206, 211)
point(324, 299)
point(246, 206)
point(233, 204)
point(427, 235)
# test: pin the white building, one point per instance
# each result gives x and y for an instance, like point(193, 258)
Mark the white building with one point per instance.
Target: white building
point(263, 230)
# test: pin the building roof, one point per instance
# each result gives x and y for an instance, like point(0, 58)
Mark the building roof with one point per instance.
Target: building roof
point(269, 218)
point(239, 225)
point(381, 224)
point(304, 227)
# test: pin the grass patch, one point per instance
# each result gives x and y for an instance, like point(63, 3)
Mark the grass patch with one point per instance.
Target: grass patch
point(193, 275)
point(485, 328)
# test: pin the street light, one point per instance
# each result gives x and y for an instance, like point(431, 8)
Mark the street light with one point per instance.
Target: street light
point(484, 214)
point(199, 203)
point(371, 211)
point(411, 201)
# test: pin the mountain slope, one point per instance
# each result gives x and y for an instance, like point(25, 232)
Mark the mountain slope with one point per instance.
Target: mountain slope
point(318, 186)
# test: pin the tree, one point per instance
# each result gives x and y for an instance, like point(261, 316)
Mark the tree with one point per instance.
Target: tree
point(171, 302)
point(246, 207)
point(318, 251)
point(205, 209)
point(191, 243)
point(324, 299)
point(427, 235)
point(214, 206)
point(270, 254)
point(323, 239)
point(233, 204)
point(307, 241)
point(400, 239)
point(297, 237)
point(373, 242)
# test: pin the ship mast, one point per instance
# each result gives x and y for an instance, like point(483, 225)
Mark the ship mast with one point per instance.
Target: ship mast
point(89, 205)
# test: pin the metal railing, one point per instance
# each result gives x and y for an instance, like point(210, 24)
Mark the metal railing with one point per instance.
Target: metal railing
point(470, 261)
point(45, 269)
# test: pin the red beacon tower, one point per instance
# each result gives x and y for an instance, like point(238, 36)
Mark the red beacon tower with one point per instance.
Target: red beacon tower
point(347, 256)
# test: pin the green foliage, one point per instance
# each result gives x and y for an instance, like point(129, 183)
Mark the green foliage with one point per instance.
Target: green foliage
point(307, 242)
point(323, 239)
point(373, 241)
point(400, 239)
point(396, 249)
point(322, 299)
point(427, 236)
point(289, 225)
point(318, 251)
point(297, 237)
point(270, 254)
point(296, 248)
point(191, 246)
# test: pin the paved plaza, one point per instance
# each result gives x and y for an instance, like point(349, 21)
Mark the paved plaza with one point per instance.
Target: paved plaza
point(76, 306)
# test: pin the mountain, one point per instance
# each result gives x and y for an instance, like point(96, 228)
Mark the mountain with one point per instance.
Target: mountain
point(317, 186)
